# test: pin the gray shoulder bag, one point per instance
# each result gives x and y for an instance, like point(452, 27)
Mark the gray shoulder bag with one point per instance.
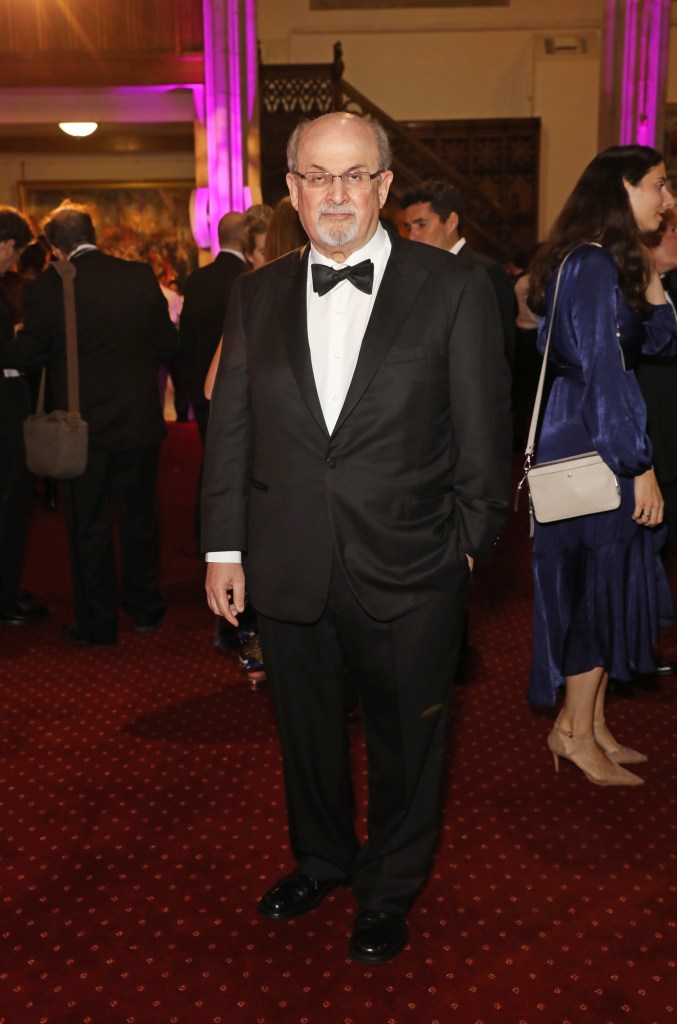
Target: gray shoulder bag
point(56, 442)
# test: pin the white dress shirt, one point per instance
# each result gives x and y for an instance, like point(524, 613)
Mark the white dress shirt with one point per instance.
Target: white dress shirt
point(336, 325)
point(337, 322)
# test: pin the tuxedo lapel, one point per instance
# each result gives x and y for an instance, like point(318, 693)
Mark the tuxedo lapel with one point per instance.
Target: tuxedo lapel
point(290, 284)
point(401, 283)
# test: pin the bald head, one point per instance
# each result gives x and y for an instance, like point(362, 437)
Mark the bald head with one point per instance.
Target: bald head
point(340, 121)
point(230, 229)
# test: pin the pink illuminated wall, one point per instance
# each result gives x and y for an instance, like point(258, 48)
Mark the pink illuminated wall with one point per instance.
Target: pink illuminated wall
point(645, 36)
point(230, 87)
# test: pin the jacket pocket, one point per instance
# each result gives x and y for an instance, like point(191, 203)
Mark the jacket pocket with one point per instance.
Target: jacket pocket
point(406, 355)
point(258, 485)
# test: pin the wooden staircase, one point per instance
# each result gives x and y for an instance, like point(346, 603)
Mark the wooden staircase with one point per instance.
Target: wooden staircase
point(494, 163)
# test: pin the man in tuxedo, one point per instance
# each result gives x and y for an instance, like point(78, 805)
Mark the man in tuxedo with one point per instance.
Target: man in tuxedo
point(204, 307)
point(433, 213)
point(123, 331)
point(16, 483)
point(357, 456)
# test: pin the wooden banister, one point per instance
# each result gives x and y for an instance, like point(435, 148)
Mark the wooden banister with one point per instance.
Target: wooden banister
point(288, 92)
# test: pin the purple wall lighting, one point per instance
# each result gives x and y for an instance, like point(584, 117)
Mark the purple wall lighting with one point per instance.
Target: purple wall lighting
point(227, 52)
point(645, 38)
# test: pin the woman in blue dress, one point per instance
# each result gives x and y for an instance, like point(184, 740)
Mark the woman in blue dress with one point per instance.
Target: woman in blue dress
point(601, 594)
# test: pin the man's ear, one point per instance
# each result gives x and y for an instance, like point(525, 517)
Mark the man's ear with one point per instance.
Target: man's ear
point(293, 186)
point(384, 187)
point(451, 228)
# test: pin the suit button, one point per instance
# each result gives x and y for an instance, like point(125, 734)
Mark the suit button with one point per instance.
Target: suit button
point(330, 463)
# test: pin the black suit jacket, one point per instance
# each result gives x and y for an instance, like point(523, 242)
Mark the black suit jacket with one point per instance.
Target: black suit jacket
point(201, 325)
point(415, 472)
point(15, 399)
point(657, 378)
point(504, 291)
point(123, 329)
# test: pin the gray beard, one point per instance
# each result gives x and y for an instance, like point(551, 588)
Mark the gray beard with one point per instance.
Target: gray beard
point(338, 234)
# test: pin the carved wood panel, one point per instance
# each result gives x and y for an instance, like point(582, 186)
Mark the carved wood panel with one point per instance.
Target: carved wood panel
point(100, 42)
point(88, 26)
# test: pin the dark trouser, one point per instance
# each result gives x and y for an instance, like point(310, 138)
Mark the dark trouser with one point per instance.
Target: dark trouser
point(402, 672)
point(123, 483)
point(201, 413)
point(525, 374)
point(16, 489)
point(669, 492)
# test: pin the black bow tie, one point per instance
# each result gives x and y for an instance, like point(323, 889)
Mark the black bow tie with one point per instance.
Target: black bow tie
point(361, 275)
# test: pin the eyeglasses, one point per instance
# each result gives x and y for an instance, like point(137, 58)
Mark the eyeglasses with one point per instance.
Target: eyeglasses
point(353, 180)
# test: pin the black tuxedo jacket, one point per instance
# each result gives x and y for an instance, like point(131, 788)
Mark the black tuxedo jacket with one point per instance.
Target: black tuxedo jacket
point(504, 291)
point(415, 472)
point(204, 307)
point(657, 378)
point(123, 329)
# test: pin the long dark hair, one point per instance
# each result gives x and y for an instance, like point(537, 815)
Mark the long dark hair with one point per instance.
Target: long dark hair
point(285, 232)
point(598, 210)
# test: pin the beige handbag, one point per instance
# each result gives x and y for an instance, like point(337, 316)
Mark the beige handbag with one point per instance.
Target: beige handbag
point(564, 488)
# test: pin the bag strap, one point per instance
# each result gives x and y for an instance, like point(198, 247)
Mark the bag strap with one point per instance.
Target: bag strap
point(531, 439)
point(67, 272)
point(40, 404)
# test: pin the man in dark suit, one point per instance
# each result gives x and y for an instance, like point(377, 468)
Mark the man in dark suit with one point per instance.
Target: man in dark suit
point(123, 330)
point(433, 213)
point(16, 483)
point(204, 307)
point(357, 456)
point(657, 378)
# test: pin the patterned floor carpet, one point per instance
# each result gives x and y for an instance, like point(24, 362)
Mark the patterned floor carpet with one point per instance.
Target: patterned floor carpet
point(142, 815)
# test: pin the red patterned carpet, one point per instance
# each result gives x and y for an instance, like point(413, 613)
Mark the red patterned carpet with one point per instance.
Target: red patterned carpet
point(142, 815)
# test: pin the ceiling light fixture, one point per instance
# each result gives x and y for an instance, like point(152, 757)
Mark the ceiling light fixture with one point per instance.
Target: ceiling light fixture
point(79, 129)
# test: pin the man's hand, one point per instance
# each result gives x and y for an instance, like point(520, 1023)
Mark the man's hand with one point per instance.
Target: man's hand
point(225, 589)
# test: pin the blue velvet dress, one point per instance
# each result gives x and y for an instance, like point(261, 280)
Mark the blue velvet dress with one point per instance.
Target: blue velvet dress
point(600, 592)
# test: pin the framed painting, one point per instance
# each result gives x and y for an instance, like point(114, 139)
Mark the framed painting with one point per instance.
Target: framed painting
point(140, 220)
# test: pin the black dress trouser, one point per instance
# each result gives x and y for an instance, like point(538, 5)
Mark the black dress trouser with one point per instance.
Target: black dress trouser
point(16, 488)
point(401, 671)
point(118, 486)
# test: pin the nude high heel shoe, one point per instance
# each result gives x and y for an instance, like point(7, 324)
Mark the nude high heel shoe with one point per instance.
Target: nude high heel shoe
point(565, 744)
point(616, 752)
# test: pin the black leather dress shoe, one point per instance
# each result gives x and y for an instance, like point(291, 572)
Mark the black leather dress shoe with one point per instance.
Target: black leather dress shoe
point(72, 635)
point(24, 614)
point(377, 937)
point(142, 628)
point(296, 894)
point(665, 667)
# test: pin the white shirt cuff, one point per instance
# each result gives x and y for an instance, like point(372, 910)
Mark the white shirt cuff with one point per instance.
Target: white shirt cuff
point(223, 556)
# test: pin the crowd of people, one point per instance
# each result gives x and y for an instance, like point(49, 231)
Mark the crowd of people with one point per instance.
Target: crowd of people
point(356, 393)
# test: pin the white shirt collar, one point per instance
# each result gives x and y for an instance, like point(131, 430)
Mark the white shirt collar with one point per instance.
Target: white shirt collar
point(83, 247)
point(458, 246)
